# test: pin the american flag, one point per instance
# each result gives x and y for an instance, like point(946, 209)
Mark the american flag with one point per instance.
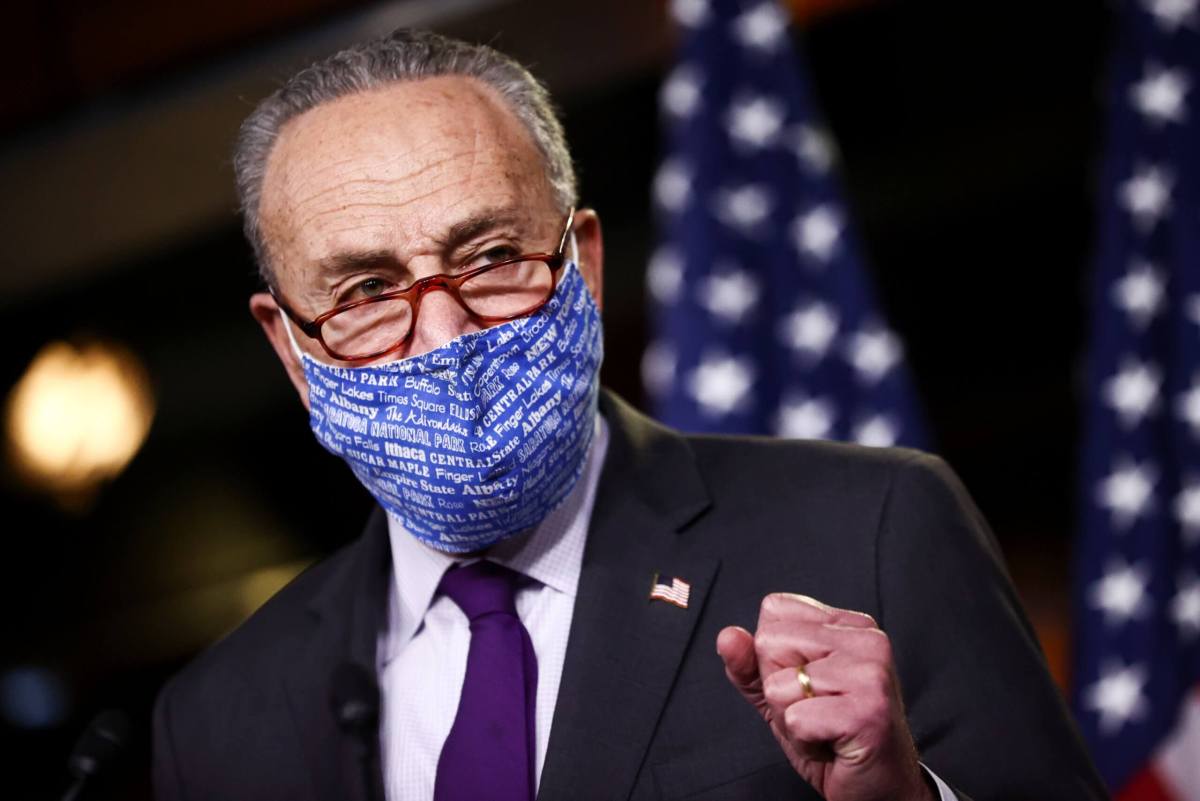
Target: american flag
point(765, 322)
point(1137, 668)
point(670, 589)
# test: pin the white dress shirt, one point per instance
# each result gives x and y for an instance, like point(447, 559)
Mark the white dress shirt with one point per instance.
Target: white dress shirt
point(421, 655)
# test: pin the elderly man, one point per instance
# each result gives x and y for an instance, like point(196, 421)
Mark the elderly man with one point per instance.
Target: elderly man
point(557, 597)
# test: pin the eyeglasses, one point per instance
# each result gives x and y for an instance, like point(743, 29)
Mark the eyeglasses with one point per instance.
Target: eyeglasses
point(494, 293)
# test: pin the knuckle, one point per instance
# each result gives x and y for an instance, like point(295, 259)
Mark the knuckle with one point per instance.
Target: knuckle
point(765, 640)
point(852, 617)
point(877, 678)
point(762, 649)
point(874, 714)
point(772, 603)
point(793, 720)
point(773, 691)
point(879, 646)
point(864, 715)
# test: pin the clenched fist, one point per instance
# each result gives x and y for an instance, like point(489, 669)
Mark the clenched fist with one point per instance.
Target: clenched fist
point(845, 733)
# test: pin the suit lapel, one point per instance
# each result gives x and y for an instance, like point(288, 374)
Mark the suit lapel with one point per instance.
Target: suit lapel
point(353, 595)
point(625, 650)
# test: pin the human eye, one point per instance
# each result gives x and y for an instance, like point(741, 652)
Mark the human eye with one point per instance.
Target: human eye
point(366, 288)
point(492, 255)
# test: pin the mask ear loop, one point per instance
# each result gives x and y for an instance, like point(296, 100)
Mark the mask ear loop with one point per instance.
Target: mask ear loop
point(574, 249)
point(287, 326)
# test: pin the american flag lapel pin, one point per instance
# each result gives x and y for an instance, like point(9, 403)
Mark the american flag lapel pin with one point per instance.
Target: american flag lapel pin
point(670, 589)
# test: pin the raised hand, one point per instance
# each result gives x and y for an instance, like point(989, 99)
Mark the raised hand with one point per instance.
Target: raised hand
point(824, 681)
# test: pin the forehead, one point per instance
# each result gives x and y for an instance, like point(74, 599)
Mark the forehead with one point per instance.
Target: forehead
point(396, 163)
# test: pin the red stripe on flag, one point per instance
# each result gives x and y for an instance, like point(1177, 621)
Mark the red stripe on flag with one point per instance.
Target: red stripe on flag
point(1145, 786)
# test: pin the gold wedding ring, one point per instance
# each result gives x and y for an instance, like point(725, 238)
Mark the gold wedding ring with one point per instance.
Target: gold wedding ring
point(805, 681)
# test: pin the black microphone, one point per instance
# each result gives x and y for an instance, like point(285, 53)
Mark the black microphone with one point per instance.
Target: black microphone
point(355, 698)
point(98, 747)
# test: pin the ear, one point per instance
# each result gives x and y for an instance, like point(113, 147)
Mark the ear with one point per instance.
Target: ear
point(264, 309)
point(591, 252)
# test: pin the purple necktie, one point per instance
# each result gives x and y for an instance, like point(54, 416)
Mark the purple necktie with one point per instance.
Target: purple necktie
point(490, 750)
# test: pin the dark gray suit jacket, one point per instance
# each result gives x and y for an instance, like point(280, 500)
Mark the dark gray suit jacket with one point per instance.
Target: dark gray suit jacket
point(644, 709)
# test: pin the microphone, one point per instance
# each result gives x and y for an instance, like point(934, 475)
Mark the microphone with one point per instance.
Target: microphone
point(98, 746)
point(354, 695)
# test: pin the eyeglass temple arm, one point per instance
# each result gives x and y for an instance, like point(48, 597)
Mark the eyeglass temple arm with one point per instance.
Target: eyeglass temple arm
point(562, 242)
point(305, 326)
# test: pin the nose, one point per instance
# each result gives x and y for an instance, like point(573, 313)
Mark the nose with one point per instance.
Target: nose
point(441, 318)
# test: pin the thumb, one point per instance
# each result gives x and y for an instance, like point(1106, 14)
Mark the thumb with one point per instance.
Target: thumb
point(736, 647)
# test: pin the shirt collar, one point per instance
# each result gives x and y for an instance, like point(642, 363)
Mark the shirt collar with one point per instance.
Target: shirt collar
point(551, 554)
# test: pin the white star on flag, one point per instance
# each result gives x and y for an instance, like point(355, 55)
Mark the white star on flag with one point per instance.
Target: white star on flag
point(1159, 95)
point(1187, 510)
point(728, 295)
point(1147, 195)
point(810, 329)
point(817, 231)
point(664, 275)
point(680, 94)
point(1121, 592)
point(874, 352)
point(1188, 406)
point(1185, 606)
point(743, 208)
point(801, 417)
point(1127, 492)
point(762, 27)
point(765, 289)
point(672, 185)
point(755, 121)
point(1117, 696)
point(813, 147)
point(877, 431)
point(658, 368)
point(690, 13)
point(1139, 293)
point(1171, 14)
point(720, 384)
point(1133, 391)
point(1192, 305)
point(1139, 593)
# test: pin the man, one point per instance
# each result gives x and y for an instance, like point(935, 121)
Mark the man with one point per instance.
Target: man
point(543, 591)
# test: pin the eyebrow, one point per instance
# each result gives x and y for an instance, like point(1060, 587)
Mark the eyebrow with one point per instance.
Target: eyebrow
point(455, 237)
point(464, 231)
point(349, 261)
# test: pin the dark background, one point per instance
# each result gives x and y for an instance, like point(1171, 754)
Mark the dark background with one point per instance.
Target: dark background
point(969, 134)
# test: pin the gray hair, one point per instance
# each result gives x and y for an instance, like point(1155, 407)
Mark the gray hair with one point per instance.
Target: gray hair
point(403, 55)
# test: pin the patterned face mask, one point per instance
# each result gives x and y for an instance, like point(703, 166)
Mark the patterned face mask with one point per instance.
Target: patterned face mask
point(480, 439)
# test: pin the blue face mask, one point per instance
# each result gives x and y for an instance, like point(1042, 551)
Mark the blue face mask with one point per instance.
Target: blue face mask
point(480, 439)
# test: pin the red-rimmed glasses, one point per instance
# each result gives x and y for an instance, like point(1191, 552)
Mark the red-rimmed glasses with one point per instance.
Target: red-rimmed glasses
point(494, 293)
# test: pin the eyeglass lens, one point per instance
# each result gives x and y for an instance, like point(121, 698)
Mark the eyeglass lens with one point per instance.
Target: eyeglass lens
point(509, 290)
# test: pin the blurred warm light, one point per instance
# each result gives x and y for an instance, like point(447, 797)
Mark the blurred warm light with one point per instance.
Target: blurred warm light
point(78, 415)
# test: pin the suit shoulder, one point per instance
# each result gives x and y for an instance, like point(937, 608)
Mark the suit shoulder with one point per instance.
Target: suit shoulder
point(813, 463)
point(841, 489)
